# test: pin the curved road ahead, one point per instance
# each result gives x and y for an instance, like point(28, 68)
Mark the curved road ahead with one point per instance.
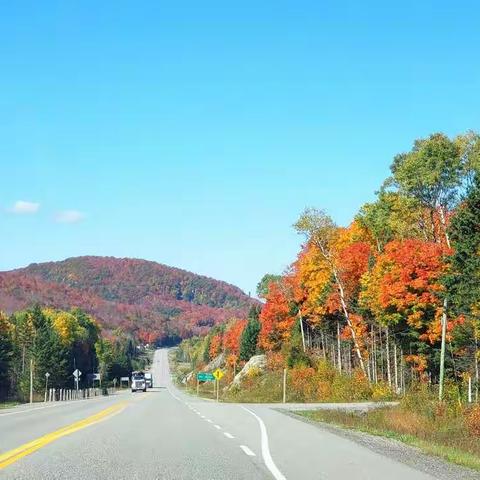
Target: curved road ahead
point(166, 434)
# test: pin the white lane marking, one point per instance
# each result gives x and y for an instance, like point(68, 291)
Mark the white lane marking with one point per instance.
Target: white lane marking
point(247, 451)
point(267, 457)
point(208, 420)
point(203, 416)
point(218, 427)
point(228, 435)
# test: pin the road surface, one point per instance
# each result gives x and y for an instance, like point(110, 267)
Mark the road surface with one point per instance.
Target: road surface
point(166, 434)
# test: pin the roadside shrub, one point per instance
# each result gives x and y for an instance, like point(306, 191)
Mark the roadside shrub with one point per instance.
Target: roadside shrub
point(253, 372)
point(324, 391)
point(297, 357)
point(381, 392)
point(473, 421)
point(326, 372)
point(275, 361)
point(420, 399)
point(302, 380)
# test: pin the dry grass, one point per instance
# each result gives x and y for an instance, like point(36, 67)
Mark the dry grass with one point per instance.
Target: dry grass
point(437, 429)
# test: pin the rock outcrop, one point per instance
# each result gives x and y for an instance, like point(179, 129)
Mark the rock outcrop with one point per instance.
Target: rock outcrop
point(257, 363)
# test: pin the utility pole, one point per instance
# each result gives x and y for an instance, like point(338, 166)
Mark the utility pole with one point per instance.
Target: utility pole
point(442, 351)
point(31, 380)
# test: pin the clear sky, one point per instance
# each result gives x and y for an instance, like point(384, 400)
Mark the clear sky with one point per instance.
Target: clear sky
point(194, 133)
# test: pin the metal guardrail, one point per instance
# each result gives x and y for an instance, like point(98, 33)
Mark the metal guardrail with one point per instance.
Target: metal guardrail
point(65, 394)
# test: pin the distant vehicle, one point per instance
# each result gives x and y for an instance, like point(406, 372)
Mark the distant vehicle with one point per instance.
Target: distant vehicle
point(149, 379)
point(138, 382)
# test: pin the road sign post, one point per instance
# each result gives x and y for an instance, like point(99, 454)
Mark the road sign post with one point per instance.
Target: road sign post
point(76, 375)
point(46, 385)
point(205, 377)
point(218, 374)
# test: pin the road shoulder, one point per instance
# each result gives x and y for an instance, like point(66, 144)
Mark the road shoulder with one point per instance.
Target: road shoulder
point(394, 449)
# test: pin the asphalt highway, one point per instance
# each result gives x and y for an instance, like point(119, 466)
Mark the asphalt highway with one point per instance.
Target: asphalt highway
point(166, 434)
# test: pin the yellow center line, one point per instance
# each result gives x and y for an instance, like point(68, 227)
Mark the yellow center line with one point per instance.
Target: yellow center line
point(16, 454)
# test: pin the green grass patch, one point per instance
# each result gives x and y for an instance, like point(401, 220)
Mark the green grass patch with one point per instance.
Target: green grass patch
point(8, 404)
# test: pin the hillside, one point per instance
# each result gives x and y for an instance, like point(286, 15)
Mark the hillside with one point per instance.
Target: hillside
point(151, 300)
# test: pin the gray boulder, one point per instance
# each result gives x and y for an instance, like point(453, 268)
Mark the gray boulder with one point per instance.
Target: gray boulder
point(257, 363)
point(217, 362)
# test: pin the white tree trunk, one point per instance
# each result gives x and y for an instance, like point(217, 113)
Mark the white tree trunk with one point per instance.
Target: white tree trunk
point(387, 351)
point(339, 349)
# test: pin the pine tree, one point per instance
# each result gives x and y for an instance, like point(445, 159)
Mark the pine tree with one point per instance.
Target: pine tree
point(464, 282)
point(48, 353)
point(206, 350)
point(248, 343)
point(6, 352)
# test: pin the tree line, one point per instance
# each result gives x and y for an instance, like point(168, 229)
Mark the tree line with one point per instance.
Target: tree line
point(41, 341)
point(395, 295)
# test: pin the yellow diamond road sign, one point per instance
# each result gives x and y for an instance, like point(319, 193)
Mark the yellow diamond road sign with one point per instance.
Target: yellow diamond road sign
point(218, 374)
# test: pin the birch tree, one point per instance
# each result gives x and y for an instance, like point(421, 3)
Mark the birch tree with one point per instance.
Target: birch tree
point(319, 228)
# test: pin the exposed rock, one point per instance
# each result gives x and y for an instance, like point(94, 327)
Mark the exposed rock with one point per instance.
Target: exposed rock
point(217, 362)
point(187, 377)
point(257, 362)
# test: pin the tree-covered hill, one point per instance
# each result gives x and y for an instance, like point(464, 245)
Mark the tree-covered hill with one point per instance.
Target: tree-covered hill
point(150, 300)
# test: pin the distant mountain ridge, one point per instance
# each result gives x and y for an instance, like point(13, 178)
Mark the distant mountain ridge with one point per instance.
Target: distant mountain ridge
point(148, 299)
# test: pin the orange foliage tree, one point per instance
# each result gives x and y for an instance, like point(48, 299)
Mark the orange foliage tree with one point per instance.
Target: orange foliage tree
point(403, 291)
point(276, 317)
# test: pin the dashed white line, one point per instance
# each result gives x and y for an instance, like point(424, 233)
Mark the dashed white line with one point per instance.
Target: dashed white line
point(228, 435)
point(218, 427)
point(208, 420)
point(247, 450)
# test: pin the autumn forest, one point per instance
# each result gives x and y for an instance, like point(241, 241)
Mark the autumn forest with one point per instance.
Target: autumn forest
point(390, 301)
point(365, 311)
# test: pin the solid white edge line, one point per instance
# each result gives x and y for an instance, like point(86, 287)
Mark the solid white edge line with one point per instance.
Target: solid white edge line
point(247, 451)
point(267, 457)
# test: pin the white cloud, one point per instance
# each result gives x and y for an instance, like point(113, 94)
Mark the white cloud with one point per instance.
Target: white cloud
point(21, 207)
point(69, 216)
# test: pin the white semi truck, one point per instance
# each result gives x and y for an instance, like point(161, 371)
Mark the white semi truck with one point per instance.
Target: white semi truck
point(149, 379)
point(138, 382)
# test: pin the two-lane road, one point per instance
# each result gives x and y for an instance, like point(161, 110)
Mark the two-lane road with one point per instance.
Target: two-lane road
point(166, 434)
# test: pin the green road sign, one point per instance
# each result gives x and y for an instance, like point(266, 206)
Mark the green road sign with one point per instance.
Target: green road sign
point(205, 377)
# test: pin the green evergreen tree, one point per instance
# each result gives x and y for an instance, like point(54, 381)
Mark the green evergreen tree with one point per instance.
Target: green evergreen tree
point(248, 342)
point(206, 350)
point(6, 353)
point(464, 281)
point(48, 353)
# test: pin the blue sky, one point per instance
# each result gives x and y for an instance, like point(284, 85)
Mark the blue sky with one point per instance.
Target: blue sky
point(194, 133)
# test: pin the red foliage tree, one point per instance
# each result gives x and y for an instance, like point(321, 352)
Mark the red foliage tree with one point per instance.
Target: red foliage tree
point(276, 318)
